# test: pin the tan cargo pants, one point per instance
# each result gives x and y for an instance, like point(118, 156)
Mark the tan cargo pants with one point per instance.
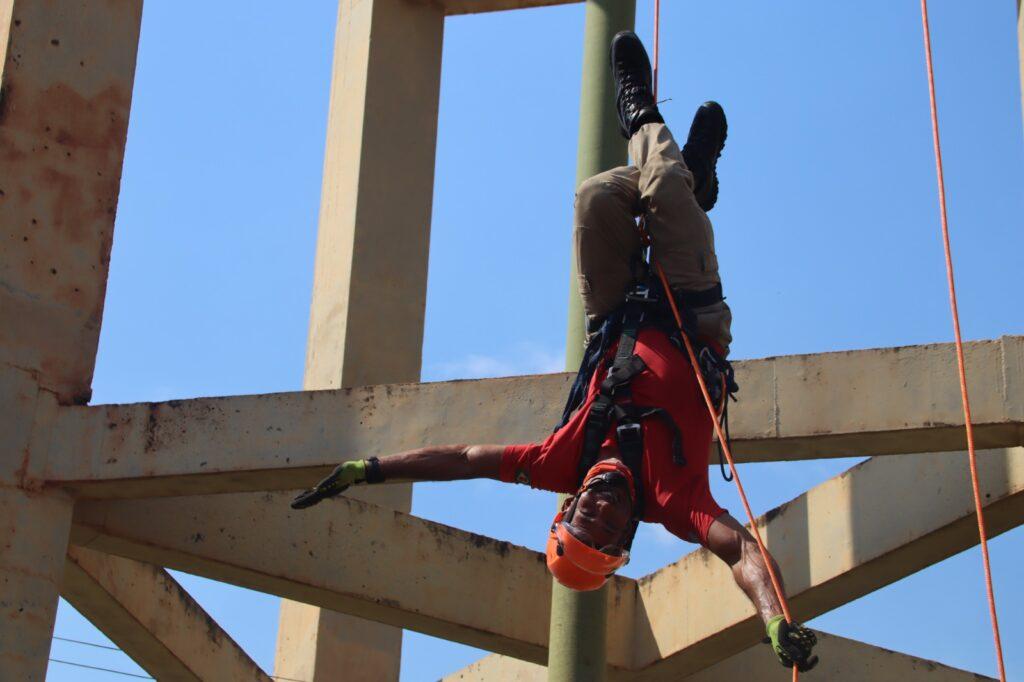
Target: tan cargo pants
point(660, 187)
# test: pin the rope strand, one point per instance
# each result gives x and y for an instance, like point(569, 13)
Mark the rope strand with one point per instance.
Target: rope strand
point(971, 455)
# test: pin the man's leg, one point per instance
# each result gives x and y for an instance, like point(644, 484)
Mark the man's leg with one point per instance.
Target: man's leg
point(681, 231)
point(684, 242)
point(607, 242)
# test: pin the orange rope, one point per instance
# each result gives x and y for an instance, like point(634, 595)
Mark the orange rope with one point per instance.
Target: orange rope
point(657, 27)
point(723, 441)
point(972, 457)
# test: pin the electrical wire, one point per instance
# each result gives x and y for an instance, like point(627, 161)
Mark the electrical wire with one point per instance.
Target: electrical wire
point(78, 641)
point(106, 670)
point(115, 648)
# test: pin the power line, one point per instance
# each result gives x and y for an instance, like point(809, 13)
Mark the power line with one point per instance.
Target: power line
point(78, 641)
point(106, 670)
point(114, 648)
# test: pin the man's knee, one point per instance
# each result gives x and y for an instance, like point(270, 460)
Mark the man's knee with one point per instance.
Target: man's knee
point(598, 195)
point(591, 195)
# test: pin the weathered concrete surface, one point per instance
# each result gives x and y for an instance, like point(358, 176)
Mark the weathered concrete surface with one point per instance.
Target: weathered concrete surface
point(370, 278)
point(66, 84)
point(26, 418)
point(34, 528)
point(66, 74)
point(352, 557)
point(33, 540)
point(842, 660)
point(143, 610)
point(284, 441)
point(876, 523)
point(477, 6)
point(834, 404)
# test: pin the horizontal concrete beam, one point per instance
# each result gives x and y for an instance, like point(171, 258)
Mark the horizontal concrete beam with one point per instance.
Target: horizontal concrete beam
point(478, 6)
point(876, 523)
point(284, 441)
point(353, 557)
point(143, 610)
point(841, 660)
point(870, 402)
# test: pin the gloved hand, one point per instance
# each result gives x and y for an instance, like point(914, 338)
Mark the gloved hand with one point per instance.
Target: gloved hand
point(792, 643)
point(344, 475)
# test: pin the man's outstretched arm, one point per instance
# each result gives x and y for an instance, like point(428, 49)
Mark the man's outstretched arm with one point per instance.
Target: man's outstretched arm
point(444, 463)
point(734, 545)
point(434, 463)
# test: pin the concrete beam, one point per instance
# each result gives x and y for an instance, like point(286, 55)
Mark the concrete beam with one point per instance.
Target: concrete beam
point(793, 407)
point(143, 610)
point(353, 557)
point(478, 6)
point(876, 523)
point(381, 139)
point(842, 660)
point(283, 441)
point(66, 84)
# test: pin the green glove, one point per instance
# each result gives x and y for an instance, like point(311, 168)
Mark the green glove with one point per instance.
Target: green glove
point(792, 643)
point(344, 475)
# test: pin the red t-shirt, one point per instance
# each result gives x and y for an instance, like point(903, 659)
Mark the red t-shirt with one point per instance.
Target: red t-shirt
point(676, 496)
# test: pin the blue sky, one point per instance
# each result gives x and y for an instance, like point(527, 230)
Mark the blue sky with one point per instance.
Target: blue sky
point(827, 233)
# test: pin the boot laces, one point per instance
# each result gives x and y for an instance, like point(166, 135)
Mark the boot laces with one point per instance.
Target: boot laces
point(633, 83)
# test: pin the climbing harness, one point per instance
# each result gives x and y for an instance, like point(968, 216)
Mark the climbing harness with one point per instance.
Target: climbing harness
point(969, 427)
point(643, 307)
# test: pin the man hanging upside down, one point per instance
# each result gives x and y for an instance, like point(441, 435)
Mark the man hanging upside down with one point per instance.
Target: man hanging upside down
point(636, 432)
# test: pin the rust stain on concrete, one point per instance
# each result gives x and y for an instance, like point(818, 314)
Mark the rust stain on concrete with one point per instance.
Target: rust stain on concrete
point(61, 147)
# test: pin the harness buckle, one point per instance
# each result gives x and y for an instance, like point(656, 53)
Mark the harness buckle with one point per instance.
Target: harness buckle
point(641, 293)
point(629, 433)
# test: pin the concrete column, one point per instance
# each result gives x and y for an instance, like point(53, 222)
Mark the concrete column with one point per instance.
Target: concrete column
point(66, 74)
point(578, 619)
point(369, 291)
point(33, 540)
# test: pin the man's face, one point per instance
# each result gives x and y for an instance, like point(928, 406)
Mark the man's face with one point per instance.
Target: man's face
point(602, 514)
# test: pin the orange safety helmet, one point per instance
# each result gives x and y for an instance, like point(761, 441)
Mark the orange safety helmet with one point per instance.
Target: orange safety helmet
point(573, 563)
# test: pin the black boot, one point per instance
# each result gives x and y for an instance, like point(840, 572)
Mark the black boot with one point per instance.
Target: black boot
point(702, 149)
point(634, 95)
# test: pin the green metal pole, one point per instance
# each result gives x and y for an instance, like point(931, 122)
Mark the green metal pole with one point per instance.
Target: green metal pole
point(577, 647)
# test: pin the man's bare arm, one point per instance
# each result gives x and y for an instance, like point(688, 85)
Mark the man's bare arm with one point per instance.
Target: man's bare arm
point(734, 545)
point(444, 463)
point(435, 463)
point(791, 642)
